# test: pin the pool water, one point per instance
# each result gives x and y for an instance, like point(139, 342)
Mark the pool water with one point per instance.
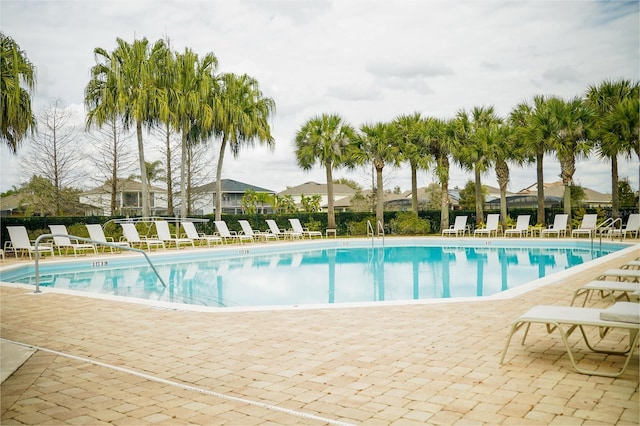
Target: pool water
point(309, 275)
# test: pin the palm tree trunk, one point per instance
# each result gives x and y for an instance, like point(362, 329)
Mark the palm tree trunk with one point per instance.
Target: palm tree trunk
point(444, 192)
point(479, 213)
point(380, 196)
point(169, 174)
point(223, 145)
point(615, 203)
point(189, 176)
point(183, 175)
point(567, 169)
point(502, 173)
point(114, 168)
point(414, 188)
point(540, 184)
point(146, 212)
point(331, 216)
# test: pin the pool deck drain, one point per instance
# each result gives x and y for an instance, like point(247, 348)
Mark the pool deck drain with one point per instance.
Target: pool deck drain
point(413, 364)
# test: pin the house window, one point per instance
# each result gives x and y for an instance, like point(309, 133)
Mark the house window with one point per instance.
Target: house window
point(131, 199)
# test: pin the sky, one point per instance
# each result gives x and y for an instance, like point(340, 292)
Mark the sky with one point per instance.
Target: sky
point(367, 60)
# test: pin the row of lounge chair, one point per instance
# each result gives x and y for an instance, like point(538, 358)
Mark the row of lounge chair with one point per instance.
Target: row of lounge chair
point(20, 244)
point(588, 227)
point(612, 285)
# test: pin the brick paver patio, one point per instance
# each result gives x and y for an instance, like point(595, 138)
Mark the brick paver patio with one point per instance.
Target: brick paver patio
point(413, 364)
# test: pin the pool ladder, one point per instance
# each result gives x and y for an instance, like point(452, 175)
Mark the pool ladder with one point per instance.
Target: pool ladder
point(86, 240)
point(608, 226)
point(371, 233)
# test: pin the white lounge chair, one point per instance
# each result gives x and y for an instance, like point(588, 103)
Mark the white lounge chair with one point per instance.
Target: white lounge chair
point(61, 241)
point(459, 227)
point(132, 236)
point(227, 235)
point(96, 233)
point(21, 244)
point(275, 230)
point(622, 315)
point(632, 275)
point(559, 227)
point(247, 230)
point(493, 221)
point(609, 289)
point(297, 228)
point(588, 226)
point(632, 264)
point(164, 234)
point(631, 228)
point(192, 233)
point(522, 226)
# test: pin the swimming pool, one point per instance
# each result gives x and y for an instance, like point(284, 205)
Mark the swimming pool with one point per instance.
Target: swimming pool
point(337, 272)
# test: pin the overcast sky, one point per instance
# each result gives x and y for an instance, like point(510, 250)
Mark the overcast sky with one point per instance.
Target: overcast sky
point(366, 60)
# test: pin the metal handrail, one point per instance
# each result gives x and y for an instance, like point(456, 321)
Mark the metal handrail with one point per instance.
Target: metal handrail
point(370, 232)
point(608, 225)
point(381, 231)
point(37, 255)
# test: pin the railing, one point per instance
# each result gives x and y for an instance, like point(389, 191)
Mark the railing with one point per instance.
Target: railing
point(609, 226)
point(371, 233)
point(87, 240)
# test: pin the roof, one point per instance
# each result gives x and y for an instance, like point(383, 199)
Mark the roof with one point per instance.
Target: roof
point(12, 202)
point(556, 189)
point(231, 186)
point(124, 185)
point(310, 188)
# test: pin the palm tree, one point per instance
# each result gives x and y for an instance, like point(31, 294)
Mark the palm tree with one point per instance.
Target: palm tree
point(475, 132)
point(101, 100)
point(127, 84)
point(440, 143)
point(573, 118)
point(621, 130)
point(414, 149)
point(378, 144)
point(535, 128)
point(604, 98)
point(241, 118)
point(192, 84)
point(17, 71)
point(504, 148)
point(324, 139)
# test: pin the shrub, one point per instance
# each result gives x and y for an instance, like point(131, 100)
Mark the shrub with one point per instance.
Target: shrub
point(359, 227)
point(313, 225)
point(408, 223)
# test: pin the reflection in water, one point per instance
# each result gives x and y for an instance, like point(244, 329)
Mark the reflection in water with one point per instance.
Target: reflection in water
point(336, 275)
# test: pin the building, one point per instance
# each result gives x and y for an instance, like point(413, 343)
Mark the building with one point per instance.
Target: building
point(556, 189)
point(341, 194)
point(204, 197)
point(128, 199)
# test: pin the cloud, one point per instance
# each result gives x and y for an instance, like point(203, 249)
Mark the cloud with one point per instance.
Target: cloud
point(408, 69)
point(561, 74)
point(366, 60)
point(354, 93)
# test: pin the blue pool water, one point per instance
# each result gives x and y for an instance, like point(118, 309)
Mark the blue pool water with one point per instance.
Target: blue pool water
point(320, 273)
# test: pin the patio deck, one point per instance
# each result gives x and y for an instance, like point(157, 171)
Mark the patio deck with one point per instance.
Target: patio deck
point(107, 362)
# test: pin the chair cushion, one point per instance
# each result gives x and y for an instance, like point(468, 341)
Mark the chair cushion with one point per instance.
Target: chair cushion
point(622, 312)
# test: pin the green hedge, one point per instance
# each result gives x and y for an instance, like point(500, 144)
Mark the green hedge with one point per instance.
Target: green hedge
point(347, 223)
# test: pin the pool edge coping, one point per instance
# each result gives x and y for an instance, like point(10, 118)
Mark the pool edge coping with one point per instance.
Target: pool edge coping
point(503, 295)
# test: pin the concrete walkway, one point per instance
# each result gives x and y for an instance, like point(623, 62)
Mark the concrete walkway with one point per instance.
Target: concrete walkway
point(107, 362)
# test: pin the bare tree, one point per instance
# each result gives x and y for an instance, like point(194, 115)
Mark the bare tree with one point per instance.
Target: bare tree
point(169, 144)
point(54, 153)
point(112, 156)
point(198, 168)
